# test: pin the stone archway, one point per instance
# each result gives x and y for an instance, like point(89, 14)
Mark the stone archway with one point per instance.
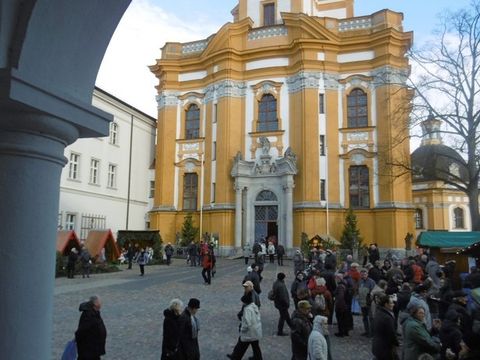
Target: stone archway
point(50, 53)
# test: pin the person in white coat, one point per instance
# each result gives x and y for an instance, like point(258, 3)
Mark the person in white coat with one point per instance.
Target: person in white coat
point(250, 330)
point(317, 344)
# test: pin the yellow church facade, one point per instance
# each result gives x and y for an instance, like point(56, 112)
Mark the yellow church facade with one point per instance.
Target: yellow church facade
point(281, 121)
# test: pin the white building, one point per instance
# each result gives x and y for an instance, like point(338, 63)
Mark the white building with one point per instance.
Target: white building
point(108, 182)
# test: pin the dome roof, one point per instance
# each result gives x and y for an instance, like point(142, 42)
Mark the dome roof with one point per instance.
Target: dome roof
point(437, 162)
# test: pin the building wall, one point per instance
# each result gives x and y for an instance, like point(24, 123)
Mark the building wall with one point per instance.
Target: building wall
point(437, 202)
point(295, 62)
point(81, 197)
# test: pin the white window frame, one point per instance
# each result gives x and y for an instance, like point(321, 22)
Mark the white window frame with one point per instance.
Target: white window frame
point(94, 171)
point(113, 136)
point(112, 176)
point(70, 221)
point(74, 166)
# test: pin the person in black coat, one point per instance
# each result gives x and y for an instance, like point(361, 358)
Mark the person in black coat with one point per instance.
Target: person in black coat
point(342, 307)
point(282, 303)
point(188, 329)
point(280, 254)
point(171, 334)
point(385, 341)
point(450, 334)
point(72, 260)
point(301, 329)
point(91, 334)
point(373, 253)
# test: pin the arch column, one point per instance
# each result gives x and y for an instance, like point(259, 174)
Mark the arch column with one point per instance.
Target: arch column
point(288, 189)
point(31, 162)
point(238, 217)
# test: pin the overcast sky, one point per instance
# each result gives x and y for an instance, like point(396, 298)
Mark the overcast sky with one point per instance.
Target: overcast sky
point(148, 24)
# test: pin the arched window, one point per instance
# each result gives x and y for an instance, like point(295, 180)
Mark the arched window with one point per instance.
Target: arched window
point(192, 122)
point(419, 219)
point(266, 195)
point(357, 114)
point(458, 218)
point(359, 187)
point(113, 139)
point(267, 113)
point(190, 190)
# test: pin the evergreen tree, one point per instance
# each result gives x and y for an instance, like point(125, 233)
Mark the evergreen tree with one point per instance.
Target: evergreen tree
point(351, 235)
point(189, 231)
point(305, 244)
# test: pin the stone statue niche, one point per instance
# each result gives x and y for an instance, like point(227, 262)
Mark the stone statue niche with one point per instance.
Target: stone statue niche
point(265, 145)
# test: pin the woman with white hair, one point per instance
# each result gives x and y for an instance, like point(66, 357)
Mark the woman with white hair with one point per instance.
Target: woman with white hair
point(317, 344)
point(171, 335)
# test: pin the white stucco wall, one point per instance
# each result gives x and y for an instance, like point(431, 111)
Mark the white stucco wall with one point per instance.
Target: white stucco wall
point(80, 196)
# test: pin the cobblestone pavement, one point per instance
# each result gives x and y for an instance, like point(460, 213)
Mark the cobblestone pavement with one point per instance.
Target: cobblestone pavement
point(133, 311)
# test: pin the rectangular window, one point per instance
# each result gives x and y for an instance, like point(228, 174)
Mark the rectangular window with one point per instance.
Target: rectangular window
point(112, 176)
point(418, 219)
point(269, 14)
point(213, 192)
point(113, 133)
point(190, 190)
point(321, 103)
point(322, 145)
point(70, 220)
point(94, 168)
point(359, 187)
point(74, 166)
point(214, 151)
point(152, 189)
point(323, 195)
point(215, 112)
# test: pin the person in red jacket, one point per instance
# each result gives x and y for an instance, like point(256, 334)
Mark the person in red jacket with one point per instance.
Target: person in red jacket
point(207, 264)
point(417, 273)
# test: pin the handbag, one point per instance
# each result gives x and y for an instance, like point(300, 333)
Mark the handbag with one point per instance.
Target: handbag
point(70, 351)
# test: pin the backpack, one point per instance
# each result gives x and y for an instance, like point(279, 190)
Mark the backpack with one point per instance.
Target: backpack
point(320, 302)
point(271, 295)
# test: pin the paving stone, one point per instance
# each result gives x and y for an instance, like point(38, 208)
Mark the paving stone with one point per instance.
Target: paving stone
point(133, 311)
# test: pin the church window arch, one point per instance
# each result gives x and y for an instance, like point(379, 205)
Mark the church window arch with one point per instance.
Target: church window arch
point(458, 218)
point(359, 186)
point(357, 108)
point(190, 191)
point(266, 195)
point(192, 122)
point(267, 113)
point(419, 224)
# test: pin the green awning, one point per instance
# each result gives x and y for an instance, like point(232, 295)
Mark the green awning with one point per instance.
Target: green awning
point(446, 239)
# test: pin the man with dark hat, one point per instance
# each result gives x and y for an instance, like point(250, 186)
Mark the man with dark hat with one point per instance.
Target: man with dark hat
point(188, 330)
point(282, 303)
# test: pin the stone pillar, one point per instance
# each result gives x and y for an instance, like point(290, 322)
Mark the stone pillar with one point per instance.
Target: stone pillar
point(238, 217)
point(31, 161)
point(288, 189)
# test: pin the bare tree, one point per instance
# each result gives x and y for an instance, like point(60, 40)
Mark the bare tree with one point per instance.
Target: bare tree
point(446, 86)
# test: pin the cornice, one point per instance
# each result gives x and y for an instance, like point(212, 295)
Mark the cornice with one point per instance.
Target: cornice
point(225, 88)
point(167, 98)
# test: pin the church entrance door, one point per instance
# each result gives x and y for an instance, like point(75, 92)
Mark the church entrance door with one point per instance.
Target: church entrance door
point(266, 221)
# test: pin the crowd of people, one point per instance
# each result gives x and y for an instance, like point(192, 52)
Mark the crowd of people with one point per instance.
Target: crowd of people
point(411, 308)
point(82, 256)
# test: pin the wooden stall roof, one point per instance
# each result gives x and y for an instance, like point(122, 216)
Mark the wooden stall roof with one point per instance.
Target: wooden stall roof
point(448, 239)
point(325, 237)
point(66, 239)
point(99, 239)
